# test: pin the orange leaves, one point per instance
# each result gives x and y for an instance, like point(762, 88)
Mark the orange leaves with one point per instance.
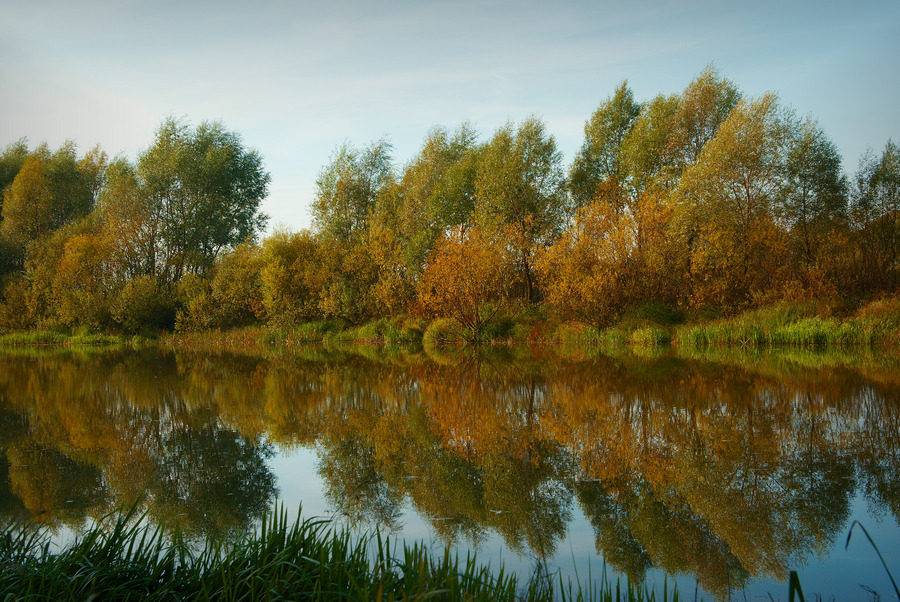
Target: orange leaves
point(608, 260)
point(464, 278)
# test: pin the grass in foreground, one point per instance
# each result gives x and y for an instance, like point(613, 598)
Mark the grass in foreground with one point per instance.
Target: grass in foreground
point(121, 559)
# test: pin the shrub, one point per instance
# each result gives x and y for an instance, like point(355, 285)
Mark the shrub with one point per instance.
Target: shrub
point(442, 330)
point(142, 307)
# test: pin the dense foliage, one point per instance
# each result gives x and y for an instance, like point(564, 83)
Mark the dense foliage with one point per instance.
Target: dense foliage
point(704, 202)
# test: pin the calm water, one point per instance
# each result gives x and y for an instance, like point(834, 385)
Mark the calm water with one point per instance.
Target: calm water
point(721, 470)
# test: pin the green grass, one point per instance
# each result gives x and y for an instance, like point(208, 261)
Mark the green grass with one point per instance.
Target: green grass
point(309, 332)
point(796, 325)
point(49, 337)
point(651, 335)
point(122, 558)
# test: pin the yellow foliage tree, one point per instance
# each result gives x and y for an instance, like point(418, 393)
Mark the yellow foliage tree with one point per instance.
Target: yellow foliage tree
point(291, 278)
point(465, 279)
point(725, 206)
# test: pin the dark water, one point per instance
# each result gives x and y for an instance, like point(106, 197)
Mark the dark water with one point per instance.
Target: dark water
point(717, 469)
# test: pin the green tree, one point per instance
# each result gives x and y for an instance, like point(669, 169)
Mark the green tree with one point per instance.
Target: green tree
point(437, 192)
point(598, 171)
point(521, 196)
point(232, 297)
point(72, 183)
point(815, 199)
point(130, 221)
point(200, 191)
point(647, 152)
point(346, 191)
point(705, 104)
point(11, 160)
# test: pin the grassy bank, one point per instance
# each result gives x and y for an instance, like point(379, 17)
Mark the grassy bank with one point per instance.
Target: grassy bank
point(50, 337)
point(121, 560)
point(786, 324)
point(877, 323)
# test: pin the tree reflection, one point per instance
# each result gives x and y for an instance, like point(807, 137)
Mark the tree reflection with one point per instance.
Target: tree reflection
point(83, 436)
point(722, 466)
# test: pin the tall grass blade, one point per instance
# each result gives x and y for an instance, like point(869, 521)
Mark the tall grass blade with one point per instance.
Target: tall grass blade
point(794, 588)
point(877, 551)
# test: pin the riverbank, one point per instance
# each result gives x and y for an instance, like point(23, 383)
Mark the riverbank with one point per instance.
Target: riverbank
point(799, 324)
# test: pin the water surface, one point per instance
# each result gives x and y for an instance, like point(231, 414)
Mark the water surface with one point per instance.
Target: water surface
point(720, 469)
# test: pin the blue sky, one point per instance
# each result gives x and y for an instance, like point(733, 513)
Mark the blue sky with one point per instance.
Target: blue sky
point(297, 79)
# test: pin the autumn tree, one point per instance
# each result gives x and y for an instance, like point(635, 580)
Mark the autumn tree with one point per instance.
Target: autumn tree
point(725, 206)
point(464, 279)
point(598, 171)
point(84, 281)
point(291, 277)
point(876, 214)
point(520, 190)
point(594, 271)
point(27, 201)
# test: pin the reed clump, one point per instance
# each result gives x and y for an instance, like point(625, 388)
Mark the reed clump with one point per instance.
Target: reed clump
point(124, 558)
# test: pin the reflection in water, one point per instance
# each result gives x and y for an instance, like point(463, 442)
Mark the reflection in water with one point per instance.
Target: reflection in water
point(81, 436)
point(721, 465)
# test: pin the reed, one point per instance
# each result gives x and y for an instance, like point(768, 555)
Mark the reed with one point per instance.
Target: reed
point(37, 338)
point(123, 558)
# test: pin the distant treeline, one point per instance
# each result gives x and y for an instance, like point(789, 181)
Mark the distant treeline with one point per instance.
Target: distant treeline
point(705, 201)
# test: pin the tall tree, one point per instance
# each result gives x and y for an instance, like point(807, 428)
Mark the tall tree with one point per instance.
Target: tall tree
point(11, 160)
point(598, 172)
point(704, 105)
point(203, 191)
point(520, 190)
point(72, 190)
point(647, 150)
point(437, 191)
point(27, 201)
point(815, 199)
point(876, 213)
point(346, 191)
point(725, 205)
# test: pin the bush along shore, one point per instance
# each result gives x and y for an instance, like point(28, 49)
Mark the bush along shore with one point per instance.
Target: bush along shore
point(122, 558)
point(798, 324)
point(785, 324)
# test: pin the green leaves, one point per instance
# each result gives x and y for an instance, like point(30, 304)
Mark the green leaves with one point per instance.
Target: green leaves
point(202, 190)
point(598, 168)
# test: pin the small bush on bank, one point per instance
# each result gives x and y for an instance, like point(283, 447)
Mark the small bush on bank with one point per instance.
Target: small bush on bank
point(443, 330)
point(651, 335)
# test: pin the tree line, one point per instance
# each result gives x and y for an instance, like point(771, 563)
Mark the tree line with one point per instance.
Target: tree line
point(703, 201)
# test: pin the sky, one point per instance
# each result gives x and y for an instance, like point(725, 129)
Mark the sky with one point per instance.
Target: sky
point(297, 79)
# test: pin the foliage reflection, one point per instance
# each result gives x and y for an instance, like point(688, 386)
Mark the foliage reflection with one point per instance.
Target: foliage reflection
point(721, 465)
